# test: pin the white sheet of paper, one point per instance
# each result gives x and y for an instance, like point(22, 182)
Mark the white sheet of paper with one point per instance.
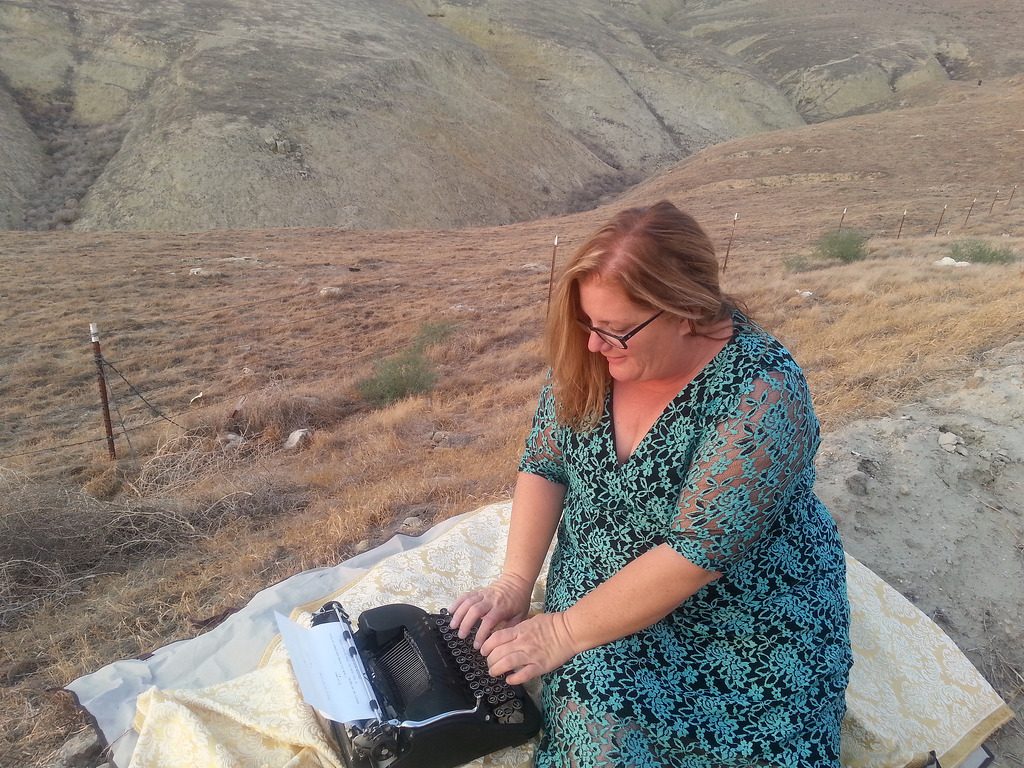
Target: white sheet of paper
point(330, 677)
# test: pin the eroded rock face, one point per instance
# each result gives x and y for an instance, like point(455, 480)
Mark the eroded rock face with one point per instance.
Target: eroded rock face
point(423, 113)
point(854, 84)
point(22, 164)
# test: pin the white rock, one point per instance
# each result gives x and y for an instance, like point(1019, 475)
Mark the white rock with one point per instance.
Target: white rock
point(949, 261)
point(332, 292)
point(298, 439)
point(230, 440)
point(950, 441)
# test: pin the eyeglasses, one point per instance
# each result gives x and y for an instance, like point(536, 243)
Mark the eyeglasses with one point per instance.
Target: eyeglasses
point(620, 341)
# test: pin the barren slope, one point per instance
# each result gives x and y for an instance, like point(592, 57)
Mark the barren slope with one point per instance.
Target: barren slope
point(873, 336)
point(197, 115)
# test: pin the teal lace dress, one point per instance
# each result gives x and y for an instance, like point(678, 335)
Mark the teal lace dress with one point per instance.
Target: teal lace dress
point(749, 671)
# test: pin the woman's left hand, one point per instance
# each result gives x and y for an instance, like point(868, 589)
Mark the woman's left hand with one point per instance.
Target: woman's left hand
point(530, 648)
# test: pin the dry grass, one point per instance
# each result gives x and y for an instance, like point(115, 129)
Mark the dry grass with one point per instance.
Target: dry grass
point(201, 528)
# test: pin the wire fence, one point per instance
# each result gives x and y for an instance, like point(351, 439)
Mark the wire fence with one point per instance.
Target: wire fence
point(139, 407)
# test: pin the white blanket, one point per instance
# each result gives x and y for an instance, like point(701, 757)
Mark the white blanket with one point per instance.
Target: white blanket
point(227, 698)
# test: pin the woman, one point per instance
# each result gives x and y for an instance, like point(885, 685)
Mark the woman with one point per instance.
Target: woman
point(696, 610)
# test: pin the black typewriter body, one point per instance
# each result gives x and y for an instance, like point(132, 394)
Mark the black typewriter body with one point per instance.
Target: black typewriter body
point(438, 705)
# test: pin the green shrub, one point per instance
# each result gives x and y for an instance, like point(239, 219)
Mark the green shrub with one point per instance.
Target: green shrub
point(406, 373)
point(397, 377)
point(980, 252)
point(846, 246)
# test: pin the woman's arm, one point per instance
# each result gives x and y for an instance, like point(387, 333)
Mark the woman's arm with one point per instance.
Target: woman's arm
point(536, 509)
point(743, 473)
point(639, 595)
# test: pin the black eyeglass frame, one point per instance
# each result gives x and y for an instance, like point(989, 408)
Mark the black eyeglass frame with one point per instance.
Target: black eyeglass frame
point(616, 340)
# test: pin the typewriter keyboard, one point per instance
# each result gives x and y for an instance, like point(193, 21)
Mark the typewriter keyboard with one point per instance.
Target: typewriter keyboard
point(504, 700)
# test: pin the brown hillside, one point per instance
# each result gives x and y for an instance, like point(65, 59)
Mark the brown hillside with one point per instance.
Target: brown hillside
point(198, 529)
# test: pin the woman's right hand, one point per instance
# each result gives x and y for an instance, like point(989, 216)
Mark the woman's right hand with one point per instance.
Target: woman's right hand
point(503, 603)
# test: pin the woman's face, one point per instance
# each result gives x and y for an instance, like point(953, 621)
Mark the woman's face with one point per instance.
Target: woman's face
point(656, 352)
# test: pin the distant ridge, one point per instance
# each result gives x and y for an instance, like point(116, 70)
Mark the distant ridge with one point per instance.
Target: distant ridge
point(363, 114)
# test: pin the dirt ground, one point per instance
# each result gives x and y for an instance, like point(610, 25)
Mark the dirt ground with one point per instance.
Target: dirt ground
point(946, 527)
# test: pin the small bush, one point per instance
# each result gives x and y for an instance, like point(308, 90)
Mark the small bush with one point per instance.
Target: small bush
point(980, 252)
point(846, 246)
point(405, 374)
point(396, 378)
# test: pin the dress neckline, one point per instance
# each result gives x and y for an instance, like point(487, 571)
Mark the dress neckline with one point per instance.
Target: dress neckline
point(701, 374)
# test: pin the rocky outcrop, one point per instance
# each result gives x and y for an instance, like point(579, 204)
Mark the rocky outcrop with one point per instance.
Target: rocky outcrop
point(368, 114)
point(22, 163)
point(426, 113)
point(834, 59)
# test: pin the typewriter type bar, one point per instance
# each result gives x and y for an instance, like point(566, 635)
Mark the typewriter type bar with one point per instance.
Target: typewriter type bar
point(439, 706)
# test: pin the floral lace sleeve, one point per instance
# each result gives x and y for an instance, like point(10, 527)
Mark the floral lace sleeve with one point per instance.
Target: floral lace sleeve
point(543, 454)
point(745, 470)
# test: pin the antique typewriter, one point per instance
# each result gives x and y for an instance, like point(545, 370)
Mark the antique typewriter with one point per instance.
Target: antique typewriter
point(438, 706)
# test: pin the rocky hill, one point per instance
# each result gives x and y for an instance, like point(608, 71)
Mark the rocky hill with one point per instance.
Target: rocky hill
point(192, 114)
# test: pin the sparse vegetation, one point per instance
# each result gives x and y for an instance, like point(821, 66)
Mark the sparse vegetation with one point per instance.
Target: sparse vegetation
point(55, 538)
point(407, 373)
point(77, 156)
point(398, 377)
point(874, 334)
point(980, 252)
point(802, 263)
point(845, 245)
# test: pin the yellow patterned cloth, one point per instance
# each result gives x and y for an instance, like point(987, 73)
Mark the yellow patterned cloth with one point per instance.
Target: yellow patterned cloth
point(258, 719)
point(911, 689)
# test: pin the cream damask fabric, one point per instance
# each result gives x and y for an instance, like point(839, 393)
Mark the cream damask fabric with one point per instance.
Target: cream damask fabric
point(258, 719)
point(911, 690)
